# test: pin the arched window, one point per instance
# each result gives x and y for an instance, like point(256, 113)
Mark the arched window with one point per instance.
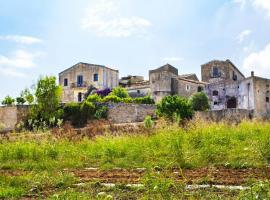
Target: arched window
point(215, 93)
point(200, 88)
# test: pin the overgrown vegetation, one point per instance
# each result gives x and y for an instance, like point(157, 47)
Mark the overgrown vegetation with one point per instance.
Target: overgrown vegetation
point(200, 102)
point(41, 160)
point(175, 108)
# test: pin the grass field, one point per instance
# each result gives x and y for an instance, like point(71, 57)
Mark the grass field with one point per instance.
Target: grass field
point(33, 165)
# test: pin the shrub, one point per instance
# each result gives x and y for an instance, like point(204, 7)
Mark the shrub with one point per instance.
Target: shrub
point(144, 100)
point(200, 102)
point(87, 110)
point(119, 92)
point(72, 112)
point(20, 100)
point(127, 100)
point(171, 106)
point(148, 122)
point(101, 112)
point(8, 101)
point(94, 98)
point(112, 98)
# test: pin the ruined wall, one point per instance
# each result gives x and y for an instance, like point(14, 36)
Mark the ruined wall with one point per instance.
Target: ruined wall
point(226, 71)
point(229, 115)
point(10, 116)
point(128, 113)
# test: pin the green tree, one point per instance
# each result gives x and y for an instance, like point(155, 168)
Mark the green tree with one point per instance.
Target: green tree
point(47, 110)
point(175, 108)
point(20, 100)
point(119, 92)
point(28, 96)
point(200, 102)
point(8, 101)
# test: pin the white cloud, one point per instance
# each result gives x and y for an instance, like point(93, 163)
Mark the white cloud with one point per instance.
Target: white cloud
point(104, 19)
point(173, 59)
point(258, 62)
point(21, 39)
point(243, 35)
point(19, 60)
point(263, 4)
point(12, 72)
point(242, 3)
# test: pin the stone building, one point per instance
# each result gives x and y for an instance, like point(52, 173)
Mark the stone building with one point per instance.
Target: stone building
point(165, 81)
point(227, 88)
point(135, 85)
point(77, 80)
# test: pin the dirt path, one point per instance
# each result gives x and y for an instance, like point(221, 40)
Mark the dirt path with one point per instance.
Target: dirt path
point(218, 176)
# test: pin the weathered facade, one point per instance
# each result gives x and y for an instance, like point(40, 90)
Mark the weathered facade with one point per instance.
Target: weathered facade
point(228, 88)
point(166, 81)
point(77, 79)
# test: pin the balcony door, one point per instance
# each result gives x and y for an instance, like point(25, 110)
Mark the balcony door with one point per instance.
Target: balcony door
point(79, 80)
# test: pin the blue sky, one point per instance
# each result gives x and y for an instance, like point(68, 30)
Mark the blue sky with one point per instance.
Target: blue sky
point(45, 37)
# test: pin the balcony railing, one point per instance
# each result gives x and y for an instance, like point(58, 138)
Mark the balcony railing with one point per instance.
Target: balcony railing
point(79, 85)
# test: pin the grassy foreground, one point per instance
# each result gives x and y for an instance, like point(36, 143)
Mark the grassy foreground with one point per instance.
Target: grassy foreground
point(34, 164)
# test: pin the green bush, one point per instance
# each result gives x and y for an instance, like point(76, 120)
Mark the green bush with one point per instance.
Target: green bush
point(8, 101)
point(87, 110)
point(94, 98)
point(172, 107)
point(144, 100)
point(112, 99)
point(20, 100)
point(119, 92)
point(101, 112)
point(127, 100)
point(72, 112)
point(200, 102)
point(148, 122)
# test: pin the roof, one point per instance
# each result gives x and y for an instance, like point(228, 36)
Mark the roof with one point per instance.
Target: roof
point(228, 61)
point(187, 76)
point(166, 67)
point(89, 65)
point(192, 81)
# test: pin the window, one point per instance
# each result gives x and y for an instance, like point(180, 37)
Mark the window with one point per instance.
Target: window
point(79, 97)
point(138, 91)
point(65, 82)
point(95, 77)
point(267, 86)
point(215, 103)
point(79, 80)
point(215, 93)
point(200, 88)
point(267, 99)
point(234, 76)
point(216, 72)
point(187, 87)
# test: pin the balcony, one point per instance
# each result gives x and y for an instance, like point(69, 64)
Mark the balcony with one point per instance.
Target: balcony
point(79, 85)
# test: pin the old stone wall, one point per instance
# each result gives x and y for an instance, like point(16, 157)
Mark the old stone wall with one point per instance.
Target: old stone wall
point(230, 115)
point(128, 113)
point(187, 88)
point(10, 116)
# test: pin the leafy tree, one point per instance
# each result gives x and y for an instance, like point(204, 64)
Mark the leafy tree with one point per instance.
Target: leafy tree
point(175, 107)
point(26, 94)
point(8, 101)
point(20, 100)
point(200, 102)
point(119, 92)
point(47, 111)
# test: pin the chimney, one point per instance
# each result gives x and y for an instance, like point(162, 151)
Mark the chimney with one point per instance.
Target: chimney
point(252, 73)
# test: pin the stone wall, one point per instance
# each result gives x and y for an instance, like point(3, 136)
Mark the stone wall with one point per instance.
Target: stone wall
point(230, 115)
point(127, 113)
point(10, 116)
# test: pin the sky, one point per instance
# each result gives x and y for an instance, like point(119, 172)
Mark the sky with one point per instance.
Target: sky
point(39, 38)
